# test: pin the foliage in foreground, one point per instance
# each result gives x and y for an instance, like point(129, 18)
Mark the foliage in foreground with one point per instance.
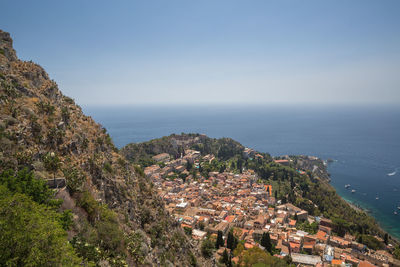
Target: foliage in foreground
point(31, 234)
point(257, 257)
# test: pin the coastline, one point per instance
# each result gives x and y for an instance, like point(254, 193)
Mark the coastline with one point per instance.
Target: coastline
point(359, 208)
point(370, 211)
point(354, 206)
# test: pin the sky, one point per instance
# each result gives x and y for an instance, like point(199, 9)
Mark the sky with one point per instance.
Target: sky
point(213, 52)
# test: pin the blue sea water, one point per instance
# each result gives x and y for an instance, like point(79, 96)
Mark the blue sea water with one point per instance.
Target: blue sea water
point(363, 141)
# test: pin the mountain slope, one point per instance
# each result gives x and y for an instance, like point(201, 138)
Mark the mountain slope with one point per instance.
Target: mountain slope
point(114, 208)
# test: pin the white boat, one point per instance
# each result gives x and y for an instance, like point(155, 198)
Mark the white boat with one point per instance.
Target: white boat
point(377, 198)
point(353, 191)
point(347, 186)
point(395, 213)
point(391, 174)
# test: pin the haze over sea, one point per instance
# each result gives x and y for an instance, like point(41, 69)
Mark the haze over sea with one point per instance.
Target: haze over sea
point(364, 142)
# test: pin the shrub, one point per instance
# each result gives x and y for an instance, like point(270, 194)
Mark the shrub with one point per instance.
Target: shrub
point(108, 231)
point(45, 107)
point(134, 246)
point(24, 182)
point(65, 114)
point(66, 219)
point(30, 234)
point(69, 100)
point(138, 170)
point(188, 230)
point(74, 179)
point(89, 204)
point(207, 248)
point(108, 167)
point(121, 162)
point(371, 242)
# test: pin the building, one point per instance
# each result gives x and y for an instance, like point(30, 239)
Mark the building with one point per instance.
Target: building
point(302, 215)
point(163, 157)
point(197, 234)
point(307, 260)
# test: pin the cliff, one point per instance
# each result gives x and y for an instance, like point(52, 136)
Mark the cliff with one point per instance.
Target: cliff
point(108, 198)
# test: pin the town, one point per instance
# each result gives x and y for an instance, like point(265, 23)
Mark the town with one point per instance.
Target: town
point(226, 202)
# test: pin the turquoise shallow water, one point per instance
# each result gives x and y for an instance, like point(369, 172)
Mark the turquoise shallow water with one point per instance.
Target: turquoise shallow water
point(364, 141)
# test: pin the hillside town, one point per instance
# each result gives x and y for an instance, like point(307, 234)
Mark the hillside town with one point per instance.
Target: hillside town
point(238, 202)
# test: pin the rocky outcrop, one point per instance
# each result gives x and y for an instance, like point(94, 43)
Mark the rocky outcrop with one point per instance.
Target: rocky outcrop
point(37, 122)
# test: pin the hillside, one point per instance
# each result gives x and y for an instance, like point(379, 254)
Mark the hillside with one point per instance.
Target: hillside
point(174, 145)
point(301, 180)
point(109, 212)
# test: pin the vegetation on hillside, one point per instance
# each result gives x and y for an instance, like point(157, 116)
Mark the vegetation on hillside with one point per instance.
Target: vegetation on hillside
point(109, 210)
point(32, 232)
point(309, 190)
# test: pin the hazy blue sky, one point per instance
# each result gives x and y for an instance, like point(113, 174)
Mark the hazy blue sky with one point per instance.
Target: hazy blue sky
point(130, 52)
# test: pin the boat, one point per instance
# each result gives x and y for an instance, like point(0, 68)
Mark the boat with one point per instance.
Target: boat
point(347, 186)
point(377, 198)
point(395, 213)
point(398, 207)
point(353, 191)
point(391, 174)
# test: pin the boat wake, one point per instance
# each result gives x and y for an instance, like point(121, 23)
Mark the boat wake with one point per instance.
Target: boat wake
point(393, 173)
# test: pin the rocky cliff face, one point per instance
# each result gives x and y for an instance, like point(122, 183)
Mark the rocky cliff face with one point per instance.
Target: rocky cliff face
point(37, 122)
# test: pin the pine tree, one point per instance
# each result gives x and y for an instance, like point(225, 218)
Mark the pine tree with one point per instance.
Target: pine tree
point(220, 240)
point(225, 258)
point(386, 239)
point(231, 241)
point(266, 242)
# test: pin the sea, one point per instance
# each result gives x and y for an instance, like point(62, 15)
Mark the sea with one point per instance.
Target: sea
point(362, 142)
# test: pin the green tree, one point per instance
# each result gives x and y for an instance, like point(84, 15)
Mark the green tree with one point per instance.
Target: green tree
point(31, 235)
point(258, 257)
point(220, 240)
point(207, 247)
point(52, 164)
point(66, 219)
point(25, 182)
point(266, 242)
point(226, 259)
point(386, 238)
point(188, 231)
point(231, 241)
point(189, 166)
point(201, 226)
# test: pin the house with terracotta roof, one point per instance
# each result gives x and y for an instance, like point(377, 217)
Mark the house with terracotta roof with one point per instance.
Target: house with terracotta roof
point(336, 241)
point(230, 218)
point(294, 247)
point(308, 246)
point(366, 264)
point(325, 229)
point(322, 237)
point(337, 262)
point(292, 223)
